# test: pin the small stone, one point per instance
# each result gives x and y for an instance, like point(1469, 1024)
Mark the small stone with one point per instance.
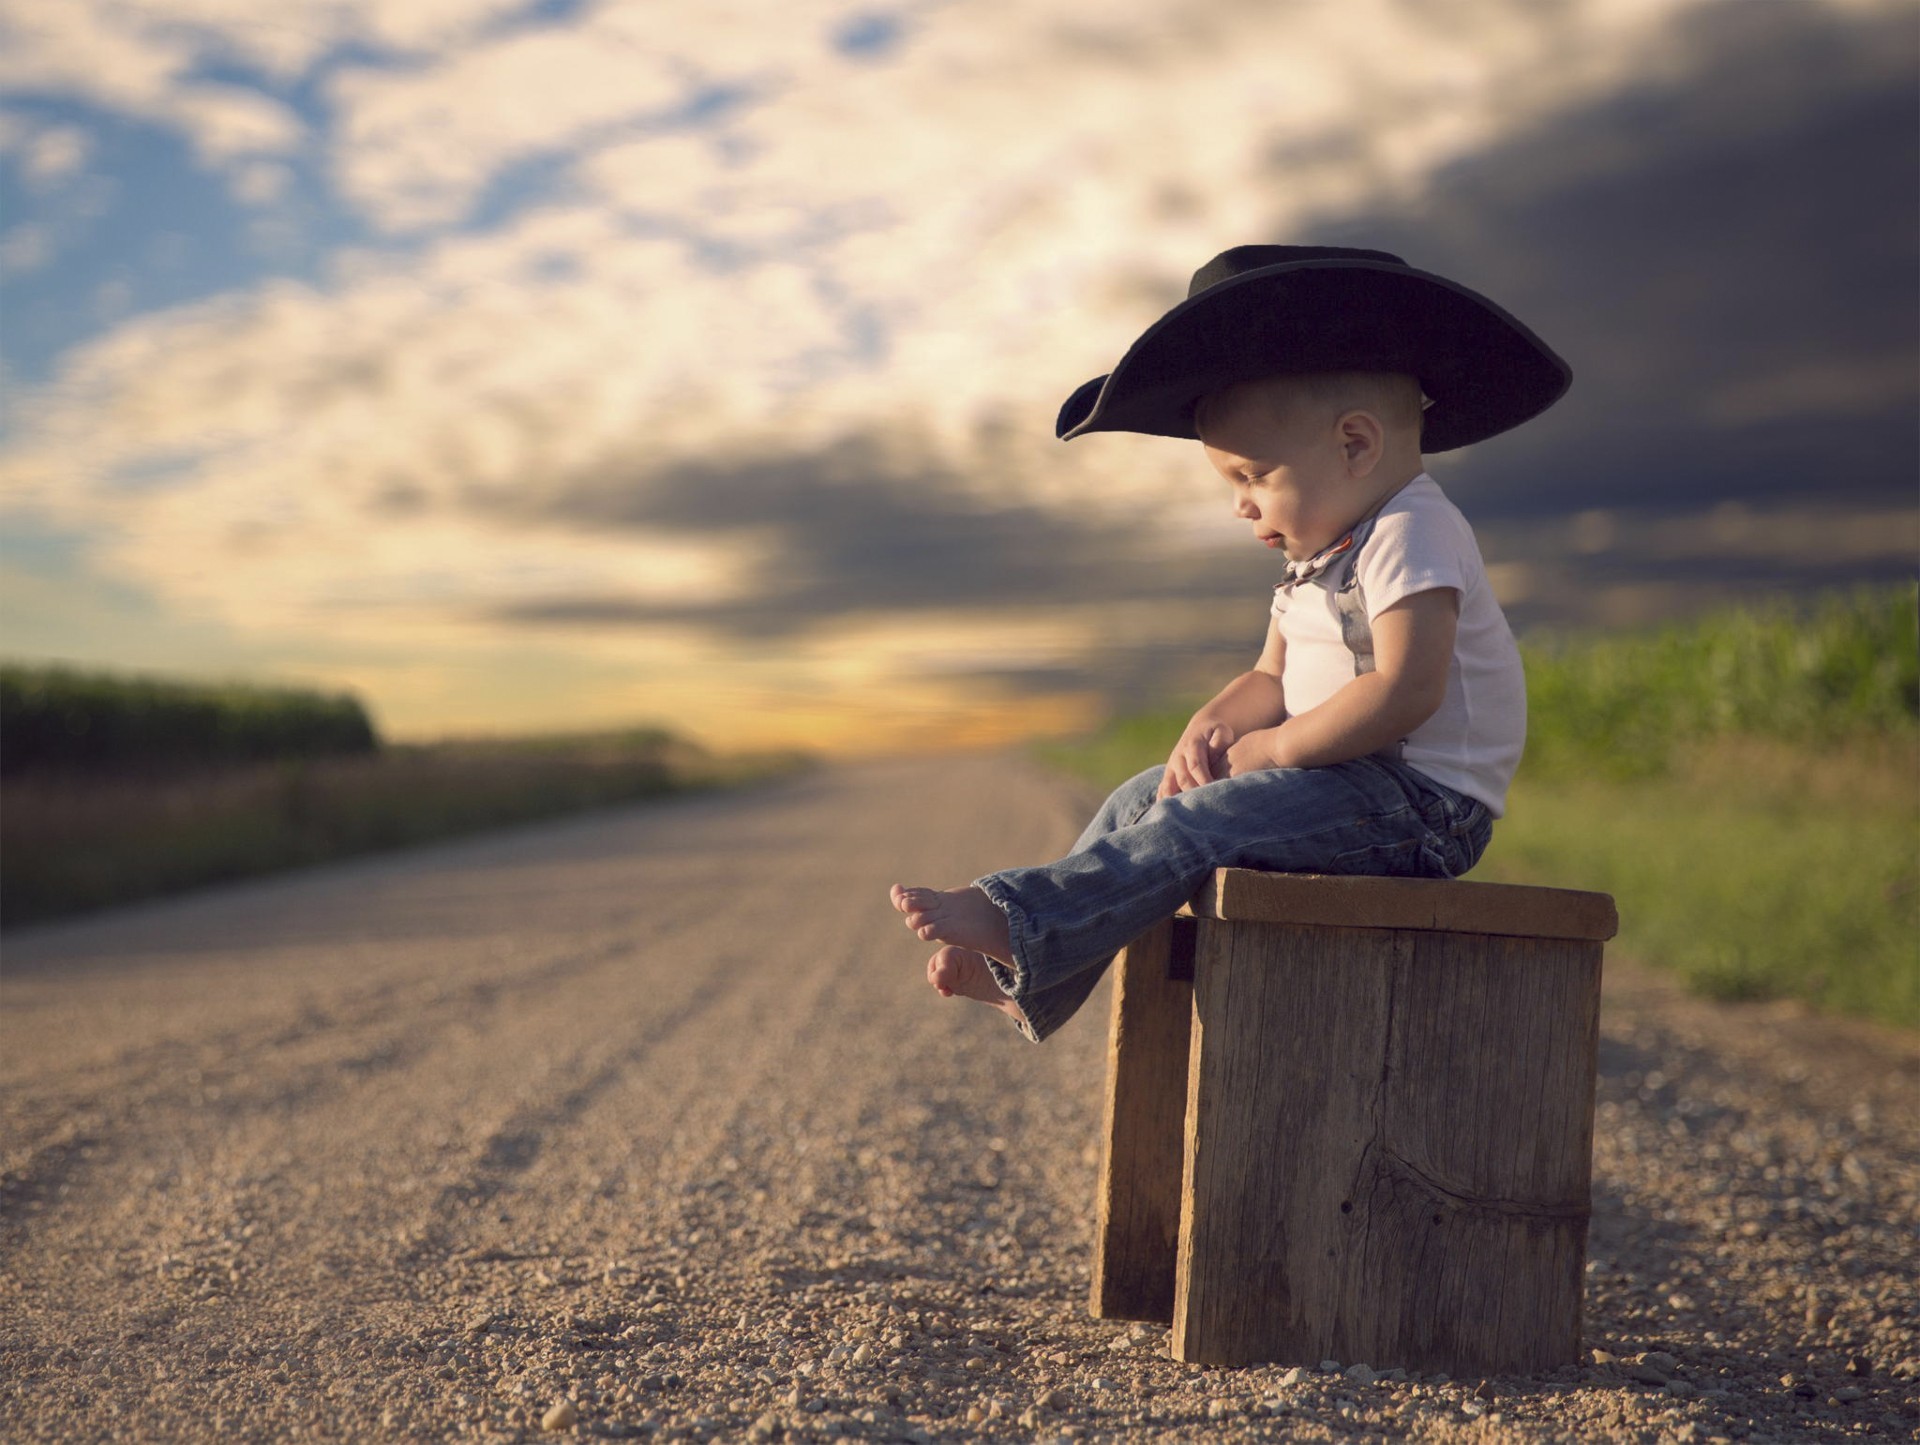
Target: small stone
point(1101, 1382)
point(1052, 1400)
point(1647, 1374)
point(1218, 1409)
point(1473, 1409)
point(561, 1416)
point(1604, 1357)
point(1360, 1374)
point(767, 1427)
point(1296, 1376)
point(1679, 1389)
point(975, 1415)
point(863, 1355)
point(1329, 1367)
point(1847, 1394)
point(1660, 1360)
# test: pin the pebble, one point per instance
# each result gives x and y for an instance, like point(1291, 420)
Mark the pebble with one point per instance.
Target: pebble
point(1329, 1367)
point(1360, 1374)
point(1296, 1376)
point(562, 1416)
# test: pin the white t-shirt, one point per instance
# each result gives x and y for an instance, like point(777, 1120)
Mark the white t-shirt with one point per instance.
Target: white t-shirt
point(1417, 541)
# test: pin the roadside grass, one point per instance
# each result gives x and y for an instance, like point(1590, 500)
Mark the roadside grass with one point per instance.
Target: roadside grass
point(77, 840)
point(1746, 785)
point(1754, 869)
point(58, 717)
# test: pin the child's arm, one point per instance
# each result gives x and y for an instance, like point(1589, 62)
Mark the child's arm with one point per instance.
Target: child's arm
point(1412, 654)
point(1252, 701)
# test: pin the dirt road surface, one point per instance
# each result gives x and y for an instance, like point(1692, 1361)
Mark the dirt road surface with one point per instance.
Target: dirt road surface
point(645, 1125)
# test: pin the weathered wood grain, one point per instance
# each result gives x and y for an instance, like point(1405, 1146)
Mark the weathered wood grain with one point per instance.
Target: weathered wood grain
point(1388, 1147)
point(1434, 904)
point(1138, 1203)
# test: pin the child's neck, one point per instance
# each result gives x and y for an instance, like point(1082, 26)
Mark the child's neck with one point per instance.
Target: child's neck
point(1384, 484)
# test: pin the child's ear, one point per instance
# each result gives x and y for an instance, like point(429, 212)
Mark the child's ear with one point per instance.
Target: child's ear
point(1363, 440)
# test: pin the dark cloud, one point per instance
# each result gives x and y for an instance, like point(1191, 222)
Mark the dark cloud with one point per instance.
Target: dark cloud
point(855, 534)
point(1746, 226)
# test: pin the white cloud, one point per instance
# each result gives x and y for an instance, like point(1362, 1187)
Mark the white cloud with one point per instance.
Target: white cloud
point(417, 145)
point(27, 247)
point(55, 154)
point(260, 183)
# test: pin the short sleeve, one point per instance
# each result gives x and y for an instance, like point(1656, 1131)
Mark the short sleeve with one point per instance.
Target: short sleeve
point(1416, 547)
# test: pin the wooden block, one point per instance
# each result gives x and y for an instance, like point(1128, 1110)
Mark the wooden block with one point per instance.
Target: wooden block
point(1435, 904)
point(1138, 1202)
point(1388, 1148)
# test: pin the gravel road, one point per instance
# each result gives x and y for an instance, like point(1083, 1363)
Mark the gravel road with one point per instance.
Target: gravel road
point(644, 1124)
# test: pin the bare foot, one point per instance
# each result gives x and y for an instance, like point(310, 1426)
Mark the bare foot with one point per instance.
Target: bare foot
point(964, 971)
point(963, 916)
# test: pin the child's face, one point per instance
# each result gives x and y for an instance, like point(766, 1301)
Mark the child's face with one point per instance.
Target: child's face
point(1288, 465)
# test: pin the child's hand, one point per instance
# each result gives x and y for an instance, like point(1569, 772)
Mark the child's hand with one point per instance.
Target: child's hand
point(1199, 757)
point(1253, 753)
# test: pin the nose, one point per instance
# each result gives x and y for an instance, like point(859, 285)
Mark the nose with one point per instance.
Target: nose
point(1243, 504)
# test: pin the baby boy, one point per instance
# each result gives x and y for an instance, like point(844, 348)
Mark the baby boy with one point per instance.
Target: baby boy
point(1383, 720)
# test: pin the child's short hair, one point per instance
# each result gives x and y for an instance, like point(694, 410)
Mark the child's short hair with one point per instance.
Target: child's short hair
point(1392, 396)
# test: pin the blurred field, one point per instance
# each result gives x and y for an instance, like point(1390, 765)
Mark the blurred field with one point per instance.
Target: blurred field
point(1747, 786)
point(61, 718)
point(159, 787)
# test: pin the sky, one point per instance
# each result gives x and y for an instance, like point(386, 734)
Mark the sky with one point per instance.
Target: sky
point(562, 366)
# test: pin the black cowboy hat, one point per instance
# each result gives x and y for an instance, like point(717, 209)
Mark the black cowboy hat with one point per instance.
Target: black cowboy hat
point(1261, 310)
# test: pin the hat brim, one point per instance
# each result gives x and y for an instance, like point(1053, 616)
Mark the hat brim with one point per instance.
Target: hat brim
point(1483, 371)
